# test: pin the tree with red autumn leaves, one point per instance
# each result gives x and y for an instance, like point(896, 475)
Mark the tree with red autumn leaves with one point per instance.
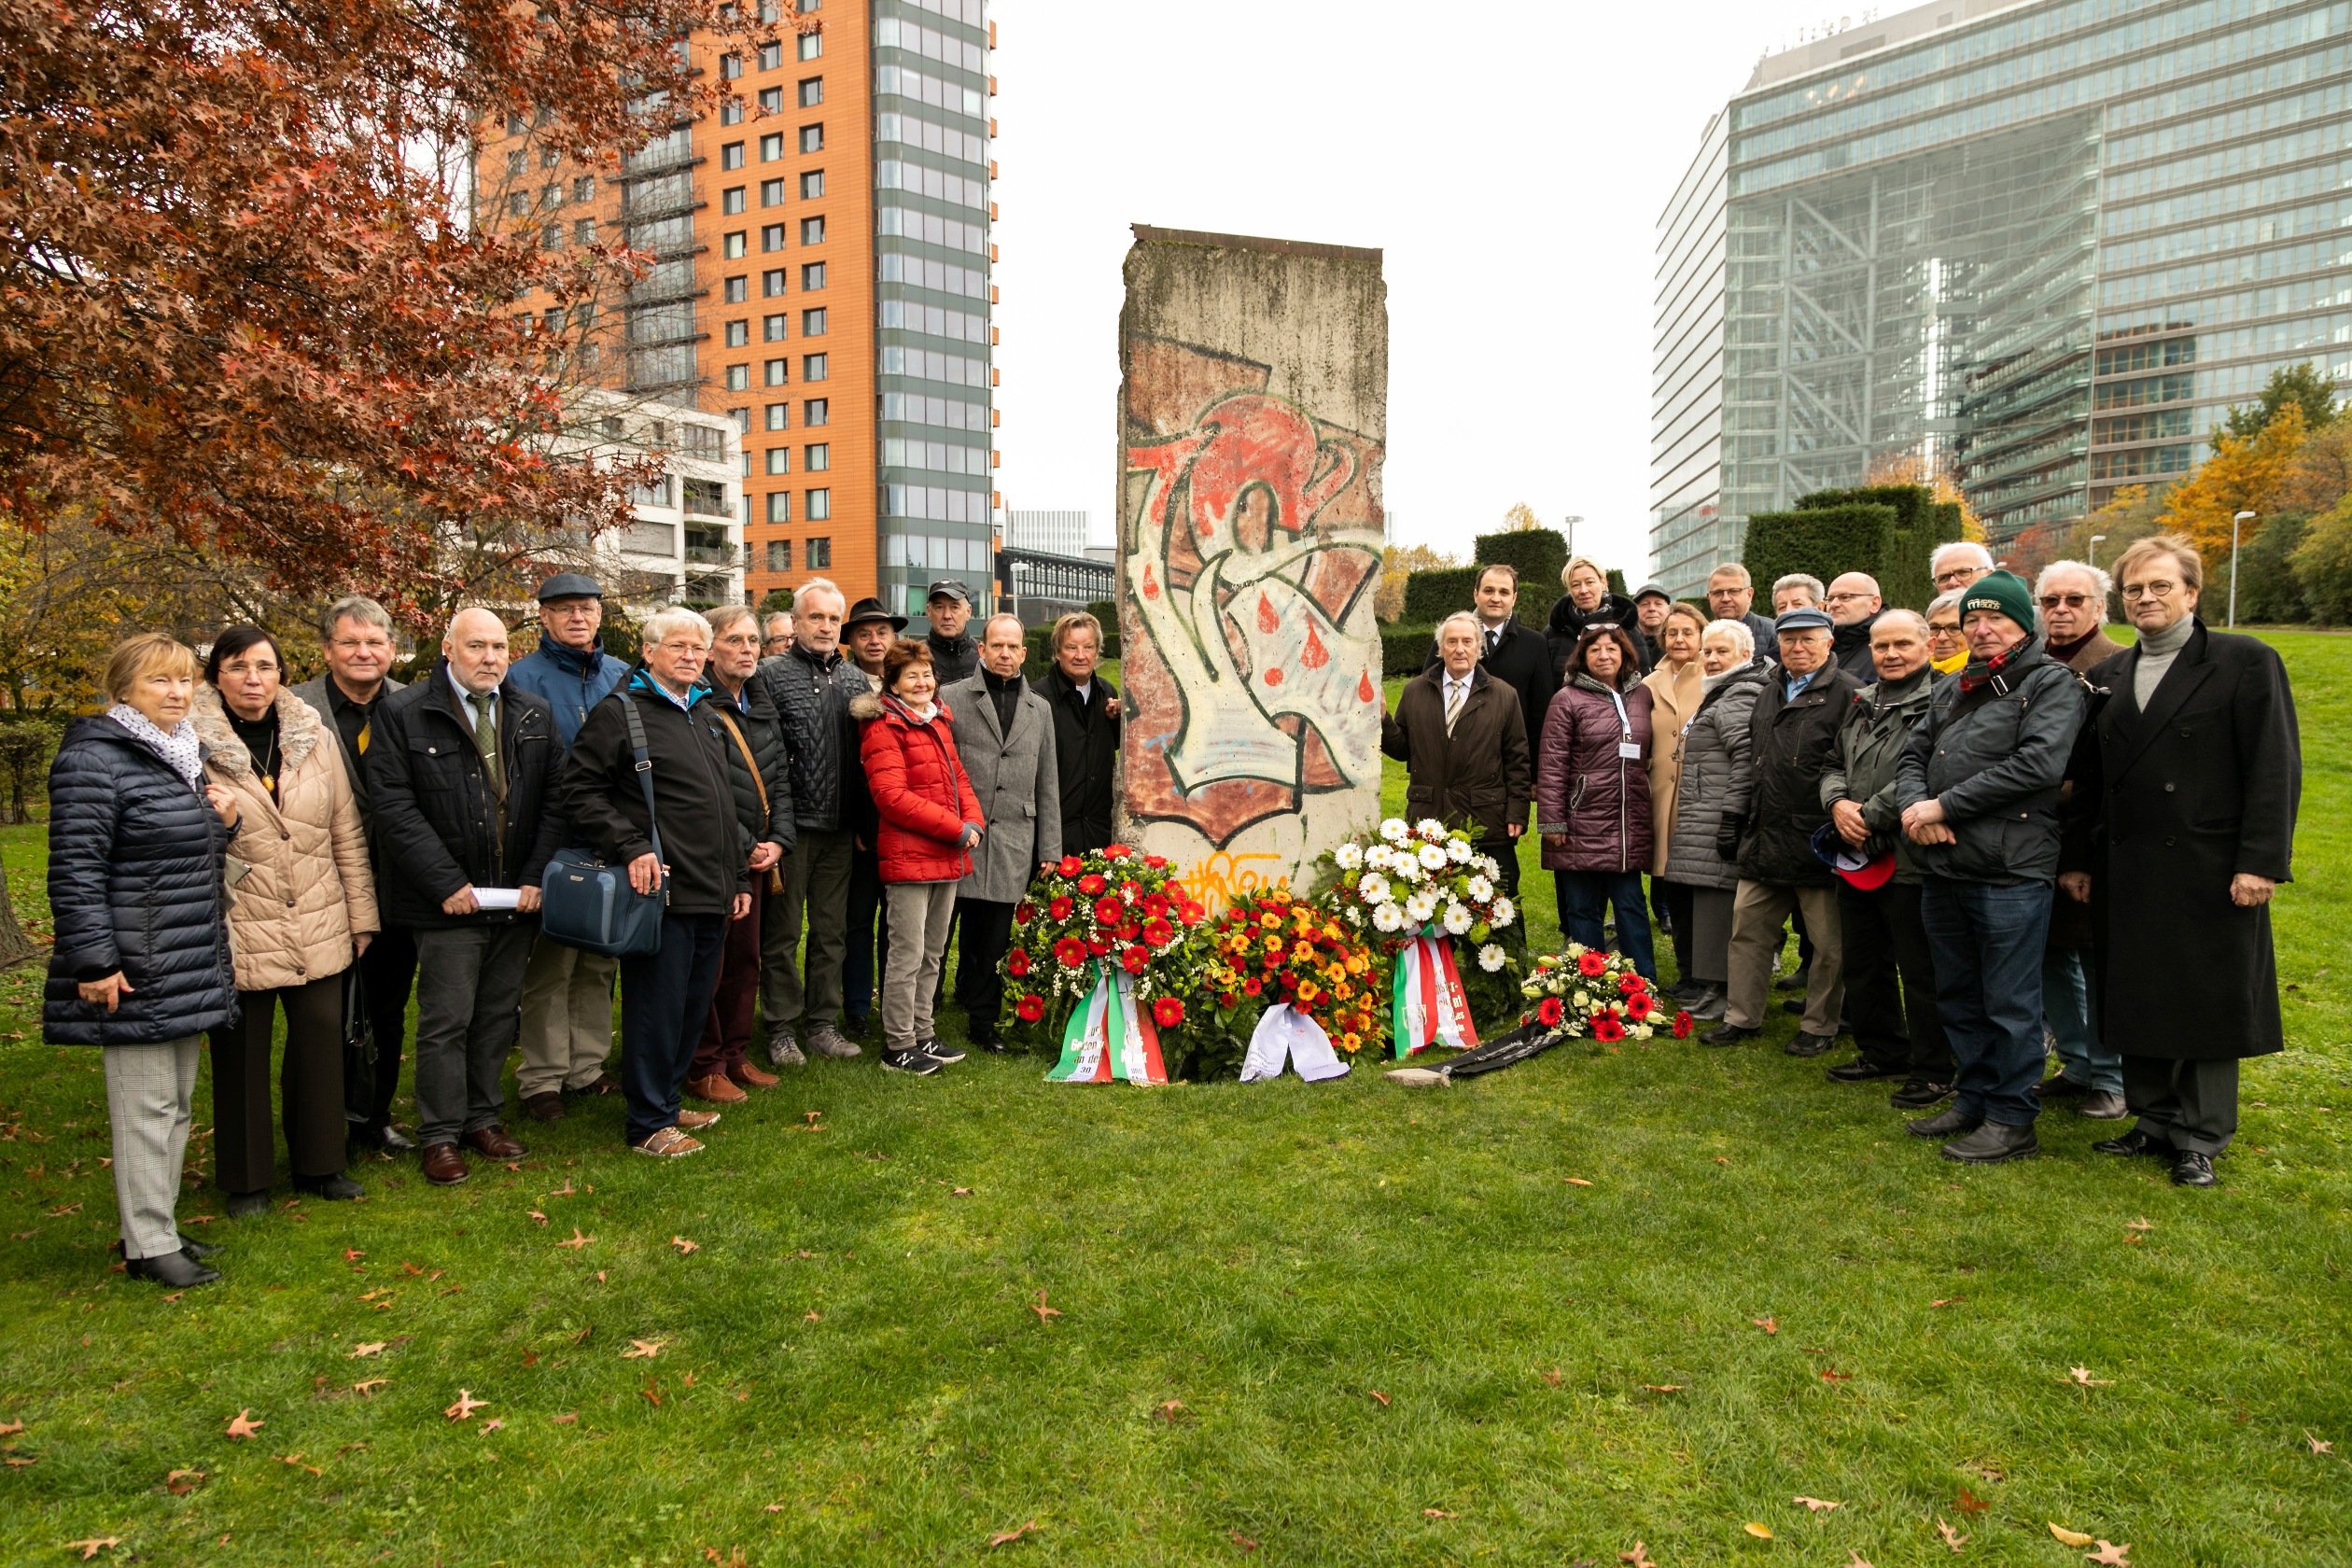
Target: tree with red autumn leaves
point(244, 305)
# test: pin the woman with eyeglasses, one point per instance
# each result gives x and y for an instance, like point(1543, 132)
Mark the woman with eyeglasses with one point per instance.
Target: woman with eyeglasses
point(1947, 651)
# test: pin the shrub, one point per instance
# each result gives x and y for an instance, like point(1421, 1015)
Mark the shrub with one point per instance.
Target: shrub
point(1405, 650)
point(2323, 567)
point(1921, 523)
point(1429, 596)
point(1539, 553)
point(2268, 591)
point(1820, 541)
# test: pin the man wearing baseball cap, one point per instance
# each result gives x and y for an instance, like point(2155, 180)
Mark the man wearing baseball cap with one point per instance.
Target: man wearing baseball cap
point(1979, 788)
point(1896, 1027)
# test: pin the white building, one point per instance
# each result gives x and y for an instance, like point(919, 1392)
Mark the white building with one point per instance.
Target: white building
point(1053, 533)
point(686, 546)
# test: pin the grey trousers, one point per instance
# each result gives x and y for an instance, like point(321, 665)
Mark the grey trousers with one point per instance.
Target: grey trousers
point(1757, 913)
point(566, 1018)
point(149, 1089)
point(2191, 1105)
point(468, 982)
point(816, 877)
point(1711, 935)
point(921, 914)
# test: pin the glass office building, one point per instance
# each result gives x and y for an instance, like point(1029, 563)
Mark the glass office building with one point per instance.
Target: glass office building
point(2040, 247)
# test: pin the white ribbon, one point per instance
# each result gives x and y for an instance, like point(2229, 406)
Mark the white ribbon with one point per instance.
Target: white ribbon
point(1284, 1033)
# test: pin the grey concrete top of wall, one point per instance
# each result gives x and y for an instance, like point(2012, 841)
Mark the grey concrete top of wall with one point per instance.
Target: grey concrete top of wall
point(1251, 242)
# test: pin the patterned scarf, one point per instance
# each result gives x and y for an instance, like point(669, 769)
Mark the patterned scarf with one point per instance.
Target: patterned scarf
point(179, 749)
point(1976, 675)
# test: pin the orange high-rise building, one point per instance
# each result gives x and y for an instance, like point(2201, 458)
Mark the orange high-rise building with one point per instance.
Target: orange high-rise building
point(822, 274)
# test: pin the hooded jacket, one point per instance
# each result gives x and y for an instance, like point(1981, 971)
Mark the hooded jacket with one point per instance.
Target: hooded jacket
point(1869, 748)
point(921, 793)
point(303, 886)
point(134, 884)
point(1585, 789)
point(568, 681)
point(1718, 778)
point(1567, 623)
point(1996, 757)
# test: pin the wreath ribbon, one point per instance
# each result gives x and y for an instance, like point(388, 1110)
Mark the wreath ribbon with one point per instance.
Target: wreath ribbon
point(1110, 1035)
point(1427, 1005)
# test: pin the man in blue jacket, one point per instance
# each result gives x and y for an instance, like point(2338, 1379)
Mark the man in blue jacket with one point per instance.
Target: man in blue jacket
point(566, 993)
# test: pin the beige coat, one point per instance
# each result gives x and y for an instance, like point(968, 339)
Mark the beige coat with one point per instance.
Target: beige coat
point(300, 887)
point(1674, 698)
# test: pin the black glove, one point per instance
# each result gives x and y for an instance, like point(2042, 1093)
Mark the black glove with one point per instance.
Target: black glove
point(1727, 836)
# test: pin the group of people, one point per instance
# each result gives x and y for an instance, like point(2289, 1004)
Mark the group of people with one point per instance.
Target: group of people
point(1996, 830)
point(226, 847)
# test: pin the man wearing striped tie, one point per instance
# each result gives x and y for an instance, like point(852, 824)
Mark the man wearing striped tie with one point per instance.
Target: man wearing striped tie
point(1463, 740)
point(357, 640)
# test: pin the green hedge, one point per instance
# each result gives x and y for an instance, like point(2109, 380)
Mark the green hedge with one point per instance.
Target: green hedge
point(1820, 541)
point(1617, 583)
point(1429, 596)
point(1540, 555)
point(1405, 650)
point(1921, 523)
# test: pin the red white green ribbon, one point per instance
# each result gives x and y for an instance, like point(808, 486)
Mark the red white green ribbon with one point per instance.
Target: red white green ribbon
point(1428, 1006)
point(1110, 1035)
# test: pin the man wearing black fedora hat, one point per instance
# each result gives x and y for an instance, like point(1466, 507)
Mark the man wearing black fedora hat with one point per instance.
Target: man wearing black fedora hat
point(1890, 974)
point(866, 637)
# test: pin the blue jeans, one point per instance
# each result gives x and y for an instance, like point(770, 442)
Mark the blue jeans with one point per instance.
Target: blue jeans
point(2070, 1006)
point(1987, 942)
point(1585, 894)
point(664, 1002)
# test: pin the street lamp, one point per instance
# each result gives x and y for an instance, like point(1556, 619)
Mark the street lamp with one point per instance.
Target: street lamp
point(2241, 517)
point(2095, 538)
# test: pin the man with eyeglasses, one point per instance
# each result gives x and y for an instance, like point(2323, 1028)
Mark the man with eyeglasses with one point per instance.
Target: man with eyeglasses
point(1854, 604)
point(776, 635)
point(1730, 592)
point(1956, 564)
point(2181, 826)
point(2073, 596)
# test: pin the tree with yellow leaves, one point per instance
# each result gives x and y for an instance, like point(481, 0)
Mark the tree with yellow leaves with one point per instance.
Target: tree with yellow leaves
point(2246, 474)
point(1399, 562)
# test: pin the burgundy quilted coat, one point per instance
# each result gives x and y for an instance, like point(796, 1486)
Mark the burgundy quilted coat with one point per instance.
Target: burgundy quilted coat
point(1584, 788)
point(919, 789)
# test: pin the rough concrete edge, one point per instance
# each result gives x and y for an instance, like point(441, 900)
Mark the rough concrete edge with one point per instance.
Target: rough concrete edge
point(1144, 233)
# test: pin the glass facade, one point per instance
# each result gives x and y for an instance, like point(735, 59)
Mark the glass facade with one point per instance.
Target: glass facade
point(1688, 533)
point(934, 380)
point(2041, 249)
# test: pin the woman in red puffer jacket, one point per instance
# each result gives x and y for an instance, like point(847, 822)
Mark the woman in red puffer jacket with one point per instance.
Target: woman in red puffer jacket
point(930, 821)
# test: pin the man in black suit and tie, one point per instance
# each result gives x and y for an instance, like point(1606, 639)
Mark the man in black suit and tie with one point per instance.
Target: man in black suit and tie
point(1519, 657)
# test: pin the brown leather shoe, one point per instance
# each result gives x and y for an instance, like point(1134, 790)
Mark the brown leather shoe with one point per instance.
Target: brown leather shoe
point(547, 1107)
point(717, 1089)
point(492, 1143)
point(444, 1166)
point(751, 1077)
point(606, 1084)
point(695, 1120)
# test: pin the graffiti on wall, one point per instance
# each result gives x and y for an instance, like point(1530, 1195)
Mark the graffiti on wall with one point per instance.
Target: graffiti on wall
point(1252, 552)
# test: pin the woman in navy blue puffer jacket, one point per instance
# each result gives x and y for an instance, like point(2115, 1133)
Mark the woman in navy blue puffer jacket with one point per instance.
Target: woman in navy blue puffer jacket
point(141, 965)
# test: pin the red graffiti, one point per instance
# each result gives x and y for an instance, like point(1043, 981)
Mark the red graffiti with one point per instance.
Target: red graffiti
point(1363, 686)
point(1274, 676)
point(1268, 619)
point(1313, 656)
point(1151, 586)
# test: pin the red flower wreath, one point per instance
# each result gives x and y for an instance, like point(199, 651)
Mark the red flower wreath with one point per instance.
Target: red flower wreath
point(1030, 1008)
point(1016, 962)
point(1168, 1012)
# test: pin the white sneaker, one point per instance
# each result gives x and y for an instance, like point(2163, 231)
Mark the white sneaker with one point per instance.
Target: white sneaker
point(782, 1049)
point(825, 1041)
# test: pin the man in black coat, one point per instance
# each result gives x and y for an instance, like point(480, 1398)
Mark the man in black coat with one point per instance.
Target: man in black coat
point(955, 656)
point(1085, 732)
point(1793, 737)
point(461, 772)
point(1520, 658)
point(1854, 604)
point(703, 869)
point(2186, 783)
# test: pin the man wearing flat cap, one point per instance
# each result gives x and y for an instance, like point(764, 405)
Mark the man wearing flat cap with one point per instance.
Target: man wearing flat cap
point(866, 637)
point(1978, 785)
point(1650, 604)
point(1792, 737)
point(566, 993)
point(955, 656)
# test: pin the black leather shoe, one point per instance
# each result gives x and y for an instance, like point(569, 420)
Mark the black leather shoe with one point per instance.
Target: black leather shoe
point(2062, 1088)
point(1862, 1069)
point(1809, 1044)
point(175, 1269)
point(2135, 1143)
point(334, 1189)
point(245, 1206)
point(1993, 1143)
point(1917, 1094)
point(1947, 1123)
point(1794, 1007)
point(196, 1249)
point(2192, 1170)
point(1729, 1033)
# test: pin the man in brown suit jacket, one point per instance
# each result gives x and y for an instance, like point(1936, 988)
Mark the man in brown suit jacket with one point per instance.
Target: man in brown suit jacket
point(2073, 596)
point(1463, 739)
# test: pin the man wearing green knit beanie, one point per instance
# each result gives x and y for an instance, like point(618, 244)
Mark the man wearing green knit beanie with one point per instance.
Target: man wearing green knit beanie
point(1977, 788)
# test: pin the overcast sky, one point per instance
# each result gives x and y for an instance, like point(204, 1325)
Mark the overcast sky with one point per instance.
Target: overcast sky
point(1511, 157)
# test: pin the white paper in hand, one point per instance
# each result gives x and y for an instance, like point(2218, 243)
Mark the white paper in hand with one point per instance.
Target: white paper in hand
point(498, 898)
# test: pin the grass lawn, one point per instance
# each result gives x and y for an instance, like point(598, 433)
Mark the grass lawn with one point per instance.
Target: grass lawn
point(1338, 1324)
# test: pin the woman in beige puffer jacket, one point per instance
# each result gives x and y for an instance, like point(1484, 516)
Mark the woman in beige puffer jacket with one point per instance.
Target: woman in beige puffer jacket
point(301, 906)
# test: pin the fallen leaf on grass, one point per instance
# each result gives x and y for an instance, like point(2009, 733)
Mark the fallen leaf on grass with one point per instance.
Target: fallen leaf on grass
point(1044, 1313)
point(96, 1545)
point(21, 1463)
point(530, 1358)
point(2318, 1445)
point(1831, 1375)
point(1949, 1301)
point(408, 1268)
point(1382, 1398)
point(961, 1191)
point(1816, 1505)
point(352, 1254)
point(1639, 1557)
point(1006, 1537)
point(296, 1461)
point(243, 1426)
point(1575, 1181)
point(2068, 1537)
point(1950, 1537)
point(491, 1425)
point(581, 1338)
point(9, 1429)
point(685, 1246)
point(814, 1316)
point(1242, 1541)
point(1721, 1160)
point(465, 1407)
point(643, 1348)
point(69, 1208)
point(653, 1392)
point(567, 1419)
point(774, 1508)
point(539, 1217)
point(1970, 1503)
point(371, 1348)
point(1762, 1532)
point(1860, 1560)
point(1169, 1409)
point(1664, 1387)
point(577, 1241)
point(2110, 1556)
point(1769, 1325)
point(2139, 1225)
point(2082, 1375)
point(1552, 1377)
